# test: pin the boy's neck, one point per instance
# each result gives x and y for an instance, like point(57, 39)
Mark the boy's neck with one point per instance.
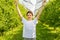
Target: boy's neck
point(29, 19)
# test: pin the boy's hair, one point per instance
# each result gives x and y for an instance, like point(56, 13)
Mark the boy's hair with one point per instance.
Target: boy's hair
point(29, 12)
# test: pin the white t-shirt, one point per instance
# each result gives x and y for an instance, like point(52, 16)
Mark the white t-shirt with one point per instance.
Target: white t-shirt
point(29, 29)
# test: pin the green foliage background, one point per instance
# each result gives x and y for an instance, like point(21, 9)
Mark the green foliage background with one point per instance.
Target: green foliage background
point(8, 17)
point(48, 27)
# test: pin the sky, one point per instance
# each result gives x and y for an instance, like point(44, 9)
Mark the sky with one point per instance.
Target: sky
point(20, 1)
point(33, 1)
point(34, 6)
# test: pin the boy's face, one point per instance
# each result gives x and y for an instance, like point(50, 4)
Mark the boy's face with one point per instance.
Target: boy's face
point(29, 16)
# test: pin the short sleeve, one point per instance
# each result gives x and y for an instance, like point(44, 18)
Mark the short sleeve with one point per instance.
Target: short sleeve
point(23, 20)
point(35, 21)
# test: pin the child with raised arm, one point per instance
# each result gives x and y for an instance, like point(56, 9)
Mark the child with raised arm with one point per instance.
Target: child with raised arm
point(29, 29)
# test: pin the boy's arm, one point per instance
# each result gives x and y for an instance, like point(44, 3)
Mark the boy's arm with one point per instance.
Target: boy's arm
point(41, 9)
point(19, 12)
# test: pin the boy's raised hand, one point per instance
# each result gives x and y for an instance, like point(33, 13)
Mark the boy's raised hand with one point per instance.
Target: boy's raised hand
point(44, 3)
point(41, 9)
point(17, 7)
point(16, 2)
point(44, 0)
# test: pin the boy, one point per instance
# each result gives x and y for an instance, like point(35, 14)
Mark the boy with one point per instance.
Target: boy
point(29, 29)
